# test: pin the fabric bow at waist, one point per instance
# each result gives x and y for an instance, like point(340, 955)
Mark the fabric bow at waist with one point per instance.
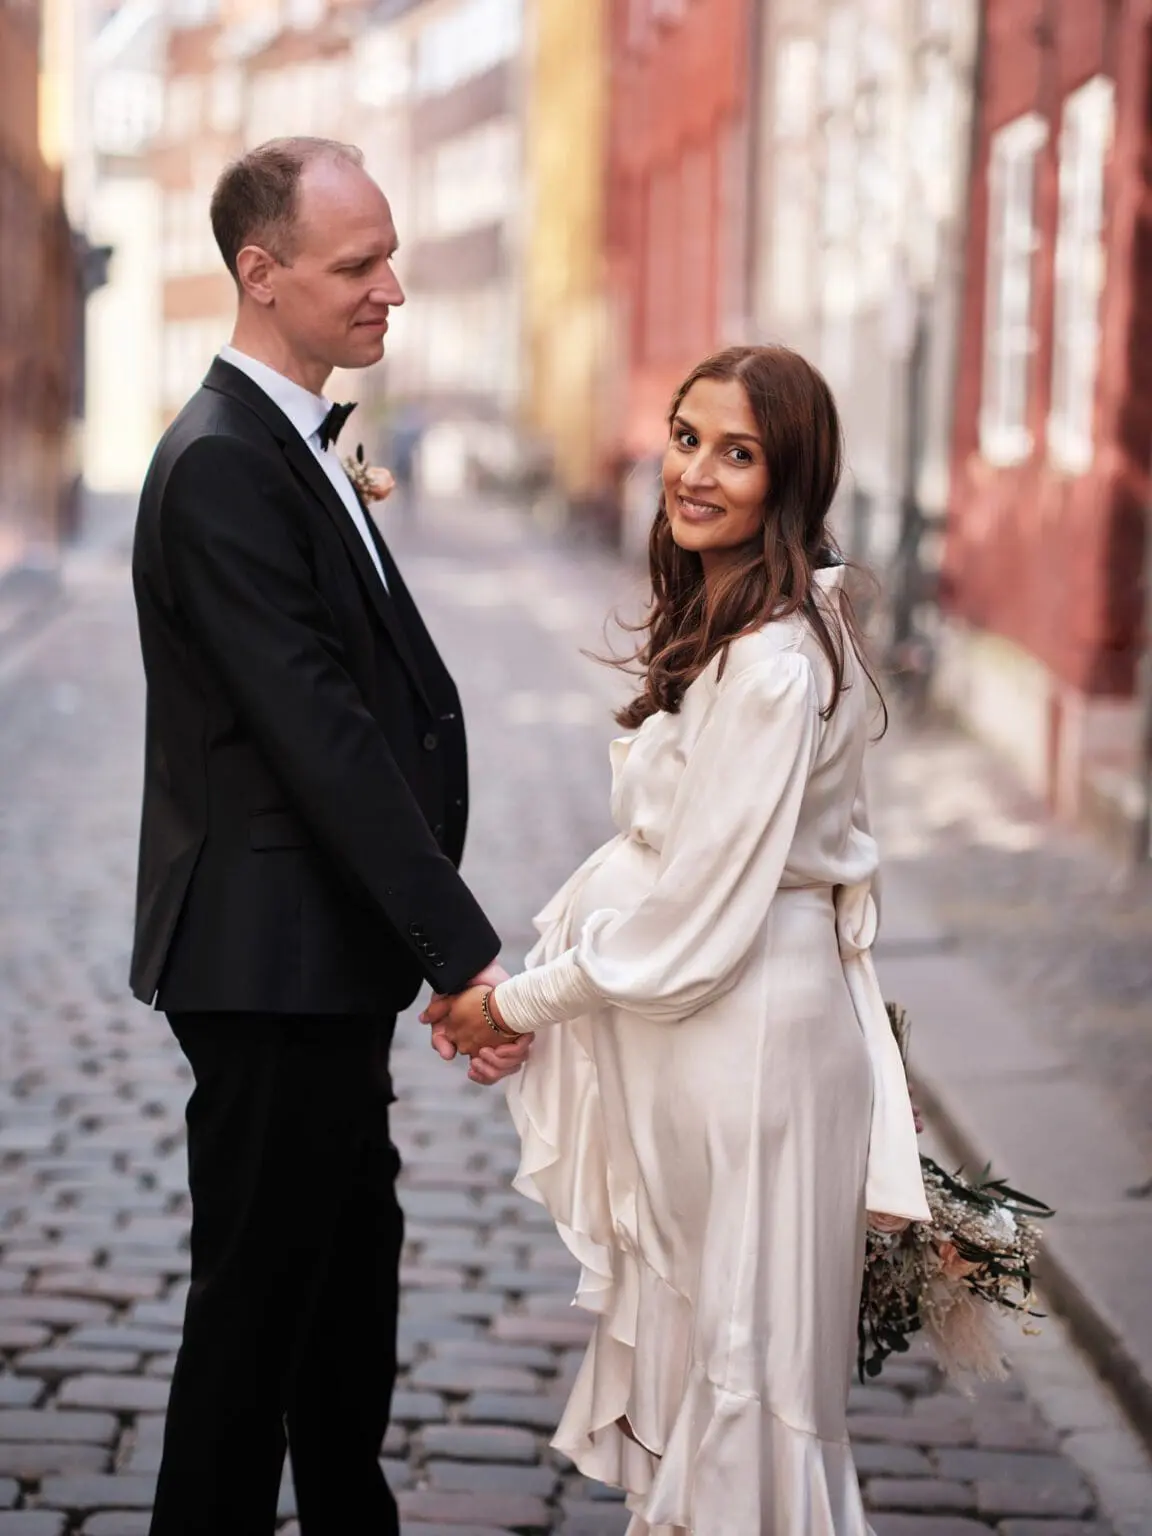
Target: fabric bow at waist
point(857, 918)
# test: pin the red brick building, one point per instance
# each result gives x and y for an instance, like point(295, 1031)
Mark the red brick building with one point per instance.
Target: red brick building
point(39, 304)
point(1043, 588)
point(676, 201)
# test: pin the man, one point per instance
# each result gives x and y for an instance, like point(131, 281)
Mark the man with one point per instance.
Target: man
point(304, 815)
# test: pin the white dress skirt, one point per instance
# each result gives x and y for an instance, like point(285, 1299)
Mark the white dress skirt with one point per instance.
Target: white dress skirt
point(714, 1099)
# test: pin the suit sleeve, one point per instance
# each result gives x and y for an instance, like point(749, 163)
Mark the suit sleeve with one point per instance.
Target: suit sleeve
point(245, 586)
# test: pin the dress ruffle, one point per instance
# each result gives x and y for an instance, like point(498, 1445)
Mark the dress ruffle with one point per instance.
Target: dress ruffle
point(710, 1461)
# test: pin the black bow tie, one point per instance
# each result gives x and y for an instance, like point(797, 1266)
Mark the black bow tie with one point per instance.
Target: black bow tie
point(333, 424)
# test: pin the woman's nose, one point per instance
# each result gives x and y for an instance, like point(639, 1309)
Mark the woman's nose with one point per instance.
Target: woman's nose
point(698, 470)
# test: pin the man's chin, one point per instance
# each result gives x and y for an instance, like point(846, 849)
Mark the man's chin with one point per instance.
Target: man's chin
point(365, 351)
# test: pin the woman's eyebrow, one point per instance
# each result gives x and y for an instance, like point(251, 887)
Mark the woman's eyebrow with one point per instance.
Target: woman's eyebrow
point(733, 437)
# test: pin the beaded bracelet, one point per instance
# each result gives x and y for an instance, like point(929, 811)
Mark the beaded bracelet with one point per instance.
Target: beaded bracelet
point(497, 1029)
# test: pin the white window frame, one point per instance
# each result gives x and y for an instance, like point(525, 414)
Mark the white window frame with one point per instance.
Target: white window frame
point(1085, 138)
point(1009, 337)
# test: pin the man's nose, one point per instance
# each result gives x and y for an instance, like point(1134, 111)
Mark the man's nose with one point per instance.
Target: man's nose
point(389, 292)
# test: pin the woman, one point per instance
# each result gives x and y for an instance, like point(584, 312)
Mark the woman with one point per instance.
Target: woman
point(714, 1099)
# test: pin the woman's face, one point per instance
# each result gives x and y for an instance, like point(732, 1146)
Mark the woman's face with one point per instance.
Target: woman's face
point(715, 473)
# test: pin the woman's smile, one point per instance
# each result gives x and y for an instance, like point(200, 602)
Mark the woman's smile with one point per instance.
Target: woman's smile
point(695, 510)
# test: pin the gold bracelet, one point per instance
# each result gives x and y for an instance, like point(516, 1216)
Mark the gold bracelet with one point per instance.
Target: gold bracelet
point(497, 1029)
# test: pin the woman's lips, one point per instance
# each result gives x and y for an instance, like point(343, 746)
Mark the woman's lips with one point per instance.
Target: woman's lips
point(694, 510)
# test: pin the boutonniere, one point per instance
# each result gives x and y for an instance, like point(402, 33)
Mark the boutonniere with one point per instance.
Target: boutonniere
point(372, 482)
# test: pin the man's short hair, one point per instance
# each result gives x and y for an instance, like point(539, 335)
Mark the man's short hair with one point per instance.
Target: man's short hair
point(255, 199)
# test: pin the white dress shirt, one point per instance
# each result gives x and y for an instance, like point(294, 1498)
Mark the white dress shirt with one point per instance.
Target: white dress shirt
point(306, 412)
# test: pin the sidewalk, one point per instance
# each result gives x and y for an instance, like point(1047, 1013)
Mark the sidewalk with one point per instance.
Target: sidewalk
point(1003, 1094)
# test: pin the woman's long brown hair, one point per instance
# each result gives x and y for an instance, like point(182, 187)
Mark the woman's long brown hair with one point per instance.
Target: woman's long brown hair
point(772, 577)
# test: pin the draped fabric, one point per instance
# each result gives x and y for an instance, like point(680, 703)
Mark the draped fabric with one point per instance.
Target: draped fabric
point(714, 1100)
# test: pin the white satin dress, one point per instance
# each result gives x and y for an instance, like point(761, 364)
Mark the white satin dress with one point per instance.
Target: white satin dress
point(715, 1098)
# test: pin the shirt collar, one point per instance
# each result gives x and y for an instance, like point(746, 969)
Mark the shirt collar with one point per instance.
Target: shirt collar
point(303, 409)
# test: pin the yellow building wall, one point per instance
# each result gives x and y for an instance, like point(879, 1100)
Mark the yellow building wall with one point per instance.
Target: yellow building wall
point(564, 235)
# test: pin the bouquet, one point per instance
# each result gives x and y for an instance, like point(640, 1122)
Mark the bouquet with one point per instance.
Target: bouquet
point(951, 1277)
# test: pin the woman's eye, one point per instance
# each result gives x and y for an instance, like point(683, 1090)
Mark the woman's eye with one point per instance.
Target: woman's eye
point(687, 439)
point(742, 456)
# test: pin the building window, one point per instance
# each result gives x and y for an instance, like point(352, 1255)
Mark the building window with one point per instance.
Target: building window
point(1008, 335)
point(226, 99)
point(469, 181)
point(188, 245)
point(127, 111)
point(188, 348)
point(1085, 138)
point(192, 13)
point(183, 109)
point(470, 39)
point(381, 68)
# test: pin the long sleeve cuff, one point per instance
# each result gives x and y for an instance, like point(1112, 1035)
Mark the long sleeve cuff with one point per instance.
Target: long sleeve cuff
point(550, 994)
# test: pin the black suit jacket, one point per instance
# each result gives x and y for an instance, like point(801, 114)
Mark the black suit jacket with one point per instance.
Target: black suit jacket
point(305, 779)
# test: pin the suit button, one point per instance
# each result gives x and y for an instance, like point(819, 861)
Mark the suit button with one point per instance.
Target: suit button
point(415, 930)
point(437, 965)
point(438, 829)
point(431, 742)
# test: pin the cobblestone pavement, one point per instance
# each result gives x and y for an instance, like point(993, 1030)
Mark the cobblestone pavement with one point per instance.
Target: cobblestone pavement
point(93, 1231)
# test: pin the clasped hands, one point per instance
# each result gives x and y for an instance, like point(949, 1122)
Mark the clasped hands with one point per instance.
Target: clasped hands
point(458, 1025)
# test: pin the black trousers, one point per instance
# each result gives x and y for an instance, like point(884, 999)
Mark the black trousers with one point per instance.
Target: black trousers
point(290, 1330)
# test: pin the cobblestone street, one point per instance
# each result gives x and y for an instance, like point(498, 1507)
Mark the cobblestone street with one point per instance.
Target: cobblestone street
point(92, 1090)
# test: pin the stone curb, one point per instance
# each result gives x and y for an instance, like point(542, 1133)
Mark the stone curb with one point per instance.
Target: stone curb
point(970, 1080)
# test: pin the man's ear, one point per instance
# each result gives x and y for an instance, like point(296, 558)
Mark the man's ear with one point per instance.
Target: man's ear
point(255, 269)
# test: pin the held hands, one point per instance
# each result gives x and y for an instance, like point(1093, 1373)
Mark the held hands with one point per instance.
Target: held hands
point(458, 1024)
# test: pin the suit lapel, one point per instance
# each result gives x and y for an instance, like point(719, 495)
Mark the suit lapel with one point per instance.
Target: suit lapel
point(231, 381)
point(304, 462)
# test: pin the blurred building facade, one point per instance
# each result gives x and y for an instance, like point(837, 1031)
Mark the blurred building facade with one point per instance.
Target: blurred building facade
point(863, 129)
point(1053, 428)
point(110, 175)
point(40, 304)
point(462, 239)
point(566, 391)
point(678, 195)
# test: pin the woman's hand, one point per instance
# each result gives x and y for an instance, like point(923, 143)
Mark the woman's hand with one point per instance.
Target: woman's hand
point(880, 1221)
point(458, 1024)
point(464, 1024)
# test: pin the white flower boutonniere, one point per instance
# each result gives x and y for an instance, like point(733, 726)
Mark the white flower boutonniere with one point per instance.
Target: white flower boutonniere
point(372, 482)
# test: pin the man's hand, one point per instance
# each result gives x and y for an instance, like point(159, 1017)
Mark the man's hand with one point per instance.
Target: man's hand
point(491, 976)
point(498, 1061)
point(440, 1002)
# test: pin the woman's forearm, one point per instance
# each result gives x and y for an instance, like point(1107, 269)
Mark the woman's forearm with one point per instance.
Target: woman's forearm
point(548, 995)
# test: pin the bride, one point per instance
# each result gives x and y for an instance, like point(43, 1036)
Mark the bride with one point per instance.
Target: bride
point(714, 1104)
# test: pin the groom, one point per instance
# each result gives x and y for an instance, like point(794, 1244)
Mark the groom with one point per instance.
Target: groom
point(305, 798)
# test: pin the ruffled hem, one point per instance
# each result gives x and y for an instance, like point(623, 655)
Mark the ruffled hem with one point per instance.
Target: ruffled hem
point(711, 1461)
